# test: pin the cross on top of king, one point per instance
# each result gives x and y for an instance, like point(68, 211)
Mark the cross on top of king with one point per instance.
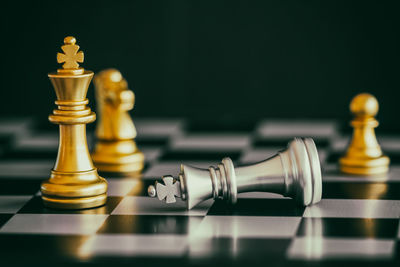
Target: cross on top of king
point(71, 56)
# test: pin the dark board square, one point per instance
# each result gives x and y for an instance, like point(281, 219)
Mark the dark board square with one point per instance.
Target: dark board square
point(349, 227)
point(201, 155)
point(334, 156)
point(359, 190)
point(6, 139)
point(148, 224)
point(272, 142)
point(35, 206)
point(283, 142)
point(221, 126)
point(16, 186)
point(6, 143)
point(21, 153)
point(43, 249)
point(394, 157)
point(257, 249)
point(4, 218)
point(153, 141)
point(257, 207)
point(397, 249)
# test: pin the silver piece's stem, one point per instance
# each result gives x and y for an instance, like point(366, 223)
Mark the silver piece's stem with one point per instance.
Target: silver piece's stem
point(294, 172)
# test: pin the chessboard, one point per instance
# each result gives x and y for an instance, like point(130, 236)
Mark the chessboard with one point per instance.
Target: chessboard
point(356, 222)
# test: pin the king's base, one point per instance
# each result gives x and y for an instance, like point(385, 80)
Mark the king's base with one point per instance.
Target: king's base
point(74, 190)
point(74, 203)
point(365, 166)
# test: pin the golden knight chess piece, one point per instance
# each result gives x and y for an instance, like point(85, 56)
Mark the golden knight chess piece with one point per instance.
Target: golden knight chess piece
point(74, 182)
point(364, 155)
point(115, 150)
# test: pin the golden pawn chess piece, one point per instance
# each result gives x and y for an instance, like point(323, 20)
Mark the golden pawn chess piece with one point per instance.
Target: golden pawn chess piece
point(364, 155)
point(74, 182)
point(115, 150)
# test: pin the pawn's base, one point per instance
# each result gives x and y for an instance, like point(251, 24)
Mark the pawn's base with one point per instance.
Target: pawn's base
point(118, 157)
point(74, 190)
point(364, 166)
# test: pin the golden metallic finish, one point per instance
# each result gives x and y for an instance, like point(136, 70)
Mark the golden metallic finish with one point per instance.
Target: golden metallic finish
point(364, 155)
point(71, 56)
point(115, 150)
point(74, 182)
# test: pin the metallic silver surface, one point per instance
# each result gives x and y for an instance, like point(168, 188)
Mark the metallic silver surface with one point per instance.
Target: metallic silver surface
point(294, 172)
point(168, 191)
point(151, 191)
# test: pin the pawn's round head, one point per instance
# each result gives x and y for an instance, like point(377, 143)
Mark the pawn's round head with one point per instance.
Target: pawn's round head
point(364, 105)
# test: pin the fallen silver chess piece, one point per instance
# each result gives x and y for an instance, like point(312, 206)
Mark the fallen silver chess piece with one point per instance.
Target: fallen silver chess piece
point(294, 172)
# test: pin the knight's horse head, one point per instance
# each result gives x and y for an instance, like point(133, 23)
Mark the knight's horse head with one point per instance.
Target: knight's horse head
point(112, 90)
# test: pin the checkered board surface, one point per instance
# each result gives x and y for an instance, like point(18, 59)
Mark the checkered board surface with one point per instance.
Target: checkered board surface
point(356, 221)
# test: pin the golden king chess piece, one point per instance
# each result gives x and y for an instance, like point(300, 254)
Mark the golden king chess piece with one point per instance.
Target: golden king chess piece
point(74, 182)
point(364, 155)
point(115, 150)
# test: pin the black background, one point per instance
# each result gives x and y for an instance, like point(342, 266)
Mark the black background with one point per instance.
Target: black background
point(211, 60)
